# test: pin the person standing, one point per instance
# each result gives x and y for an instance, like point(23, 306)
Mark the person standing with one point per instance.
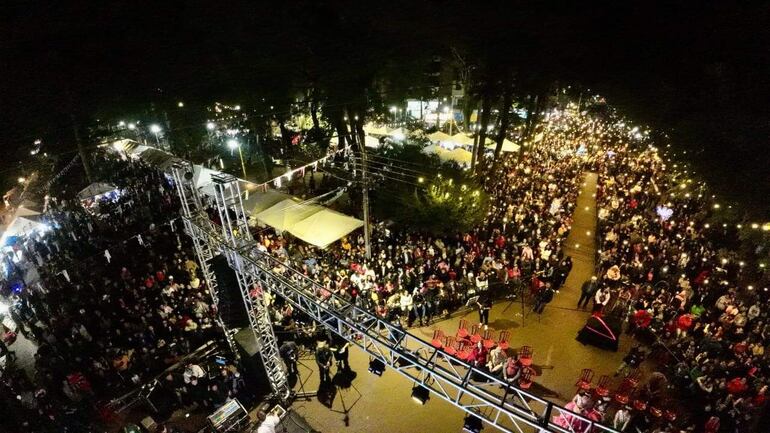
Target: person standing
point(543, 297)
point(587, 292)
point(484, 304)
point(340, 350)
point(601, 299)
point(323, 357)
point(289, 351)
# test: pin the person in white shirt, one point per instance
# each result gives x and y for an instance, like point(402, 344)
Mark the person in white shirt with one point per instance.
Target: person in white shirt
point(622, 418)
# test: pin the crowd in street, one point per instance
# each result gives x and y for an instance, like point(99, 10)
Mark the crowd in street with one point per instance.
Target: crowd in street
point(687, 303)
point(414, 278)
point(119, 301)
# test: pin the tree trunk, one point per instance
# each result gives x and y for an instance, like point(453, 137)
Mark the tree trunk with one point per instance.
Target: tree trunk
point(504, 119)
point(314, 110)
point(342, 129)
point(486, 111)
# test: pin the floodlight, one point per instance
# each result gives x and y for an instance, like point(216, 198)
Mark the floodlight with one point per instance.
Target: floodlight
point(376, 366)
point(473, 424)
point(420, 394)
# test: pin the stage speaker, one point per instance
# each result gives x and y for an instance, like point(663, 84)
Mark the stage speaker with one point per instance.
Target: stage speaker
point(231, 306)
point(251, 362)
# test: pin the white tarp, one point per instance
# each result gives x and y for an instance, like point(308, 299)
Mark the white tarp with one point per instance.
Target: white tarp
point(202, 176)
point(255, 202)
point(324, 227)
point(284, 214)
point(508, 146)
point(95, 189)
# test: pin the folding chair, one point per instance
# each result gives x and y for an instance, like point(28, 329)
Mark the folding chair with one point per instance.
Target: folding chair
point(438, 339)
point(584, 381)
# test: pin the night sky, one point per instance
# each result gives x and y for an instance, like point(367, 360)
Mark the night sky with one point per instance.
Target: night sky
point(698, 71)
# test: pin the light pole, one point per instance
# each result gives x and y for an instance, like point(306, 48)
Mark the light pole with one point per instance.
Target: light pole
point(233, 144)
point(155, 129)
point(393, 111)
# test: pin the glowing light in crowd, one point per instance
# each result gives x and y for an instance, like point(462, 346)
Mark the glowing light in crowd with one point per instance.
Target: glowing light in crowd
point(211, 126)
point(155, 129)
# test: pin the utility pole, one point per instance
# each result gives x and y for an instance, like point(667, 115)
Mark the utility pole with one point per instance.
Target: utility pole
point(81, 150)
point(365, 201)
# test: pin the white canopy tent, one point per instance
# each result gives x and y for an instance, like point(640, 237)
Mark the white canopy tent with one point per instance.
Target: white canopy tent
point(286, 213)
point(369, 141)
point(434, 149)
point(461, 139)
point(324, 227)
point(398, 133)
point(458, 155)
point(508, 146)
point(439, 136)
point(24, 222)
point(96, 189)
point(372, 129)
point(255, 202)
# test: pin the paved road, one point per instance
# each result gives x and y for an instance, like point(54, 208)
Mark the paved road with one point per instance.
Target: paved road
point(383, 404)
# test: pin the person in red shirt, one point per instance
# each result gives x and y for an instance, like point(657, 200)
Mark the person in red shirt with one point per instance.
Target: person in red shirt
point(737, 385)
point(479, 355)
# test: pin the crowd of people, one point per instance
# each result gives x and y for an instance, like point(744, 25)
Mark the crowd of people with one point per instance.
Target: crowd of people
point(687, 302)
point(119, 301)
point(413, 278)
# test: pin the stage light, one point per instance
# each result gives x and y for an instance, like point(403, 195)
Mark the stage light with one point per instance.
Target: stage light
point(376, 367)
point(420, 394)
point(473, 424)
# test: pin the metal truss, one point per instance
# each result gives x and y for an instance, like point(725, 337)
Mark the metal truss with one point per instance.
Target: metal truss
point(191, 203)
point(227, 237)
point(476, 392)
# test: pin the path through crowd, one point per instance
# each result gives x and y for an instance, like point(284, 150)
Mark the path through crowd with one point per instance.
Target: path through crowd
point(383, 404)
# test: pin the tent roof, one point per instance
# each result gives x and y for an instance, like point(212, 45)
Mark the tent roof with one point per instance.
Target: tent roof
point(369, 141)
point(96, 188)
point(370, 128)
point(434, 148)
point(284, 214)
point(461, 138)
point(439, 136)
point(255, 202)
point(21, 225)
point(398, 131)
point(158, 158)
point(324, 227)
point(508, 146)
point(459, 155)
point(202, 175)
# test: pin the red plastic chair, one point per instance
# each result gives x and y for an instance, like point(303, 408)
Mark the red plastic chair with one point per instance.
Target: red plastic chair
point(462, 329)
point(640, 405)
point(486, 337)
point(623, 393)
point(450, 343)
point(584, 381)
point(525, 356)
point(475, 333)
point(525, 380)
point(463, 351)
point(438, 339)
point(503, 340)
point(603, 387)
point(634, 377)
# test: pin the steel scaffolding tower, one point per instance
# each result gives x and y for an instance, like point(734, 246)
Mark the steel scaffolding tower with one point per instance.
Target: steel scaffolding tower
point(476, 392)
